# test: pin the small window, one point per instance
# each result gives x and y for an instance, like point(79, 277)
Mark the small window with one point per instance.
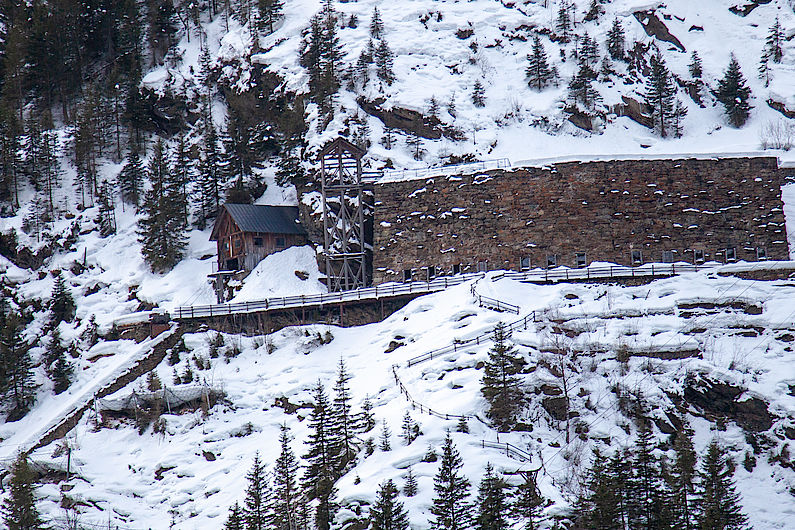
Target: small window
point(457, 268)
point(581, 259)
point(637, 258)
point(280, 242)
point(668, 256)
point(524, 263)
point(407, 275)
point(731, 254)
point(761, 253)
point(483, 266)
point(257, 241)
point(552, 260)
point(698, 256)
point(431, 272)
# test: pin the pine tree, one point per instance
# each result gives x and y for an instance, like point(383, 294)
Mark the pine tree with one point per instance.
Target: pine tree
point(695, 66)
point(320, 471)
point(107, 210)
point(660, 95)
point(285, 499)
point(388, 513)
point(19, 507)
point(131, 177)
point(343, 422)
point(384, 59)
point(161, 229)
point(733, 93)
point(647, 489)
point(407, 429)
point(386, 434)
point(492, 506)
point(236, 519)
point(774, 50)
point(538, 73)
point(615, 41)
point(376, 24)
point(210, 168)
point(581, 88)
point(56, 365)
point(500, 384)
point(478, 94)
point(677, 118)
point(718, 502)
point(528, 503)
point(269, 12)
point(563, 22)
point(62, 305)
point(18, 387)
point(183, 175)
point(597, 508)
point(367, 418)
point(410, 487)
point(589, 50)
point(619, 473)
point(451, 509)
point(594, 11)
point(681, 481)
point(255, 504)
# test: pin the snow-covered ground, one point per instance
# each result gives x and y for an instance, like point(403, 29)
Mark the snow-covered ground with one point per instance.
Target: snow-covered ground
point(151, 480)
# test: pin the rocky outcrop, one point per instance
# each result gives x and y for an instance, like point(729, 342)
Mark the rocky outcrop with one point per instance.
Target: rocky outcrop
point(654, 27)
point(743, 9)
point(634, 110)
point(718, 399)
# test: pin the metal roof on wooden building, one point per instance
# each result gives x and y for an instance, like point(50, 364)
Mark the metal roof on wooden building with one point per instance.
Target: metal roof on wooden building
point(262, 219)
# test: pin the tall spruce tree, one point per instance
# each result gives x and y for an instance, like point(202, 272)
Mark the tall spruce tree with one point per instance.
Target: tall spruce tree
point(527, 503)
point(774, 44)
point(563, 22)
point(131, 177)
point(107, 209)
point(451, 508)
point(376, 24)
point(62, 305)
point(255, 509)
point(18, 387)
point(681, 481)
point(616, 41)
point(648, 491)
point(718, 502)
point(500, 384)
point(19, 507)
point(320, 471)
point(660, 95)
point(236, 519)
point(694, 67)
point(733, 92)
point(388, 513)
point(538, 73)
point(285, 492)
point(343, 421)
point(384, 59)
point(210, 166)
point(478, 95)
point(56, 365)
point(491, 502)
point(410, 487)
point(161, 228)
point(619, 473)
point(597, 508)
point(270, 11)
point(581, 88)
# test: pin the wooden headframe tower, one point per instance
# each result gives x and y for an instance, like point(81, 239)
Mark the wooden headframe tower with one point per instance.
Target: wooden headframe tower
point(343, 215)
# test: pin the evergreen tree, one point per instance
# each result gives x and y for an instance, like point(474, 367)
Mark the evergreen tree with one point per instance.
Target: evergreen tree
point(107, 210)
point(285, 498)
point(695, 66)
point(681, 481)
point(236, 519)
point(376, 24)
point(563, 22)
point(210, 167)
point(528, 503)
point(408, 429)
point(492, 506)
point(367, 417)
point(269, 12)
point(161, 229)
point(478, 94)
point(594, 11)
point(718, 502)
point(255, 504)
point(647, 489)
point(62, 305)
point(56, 365)
point(581, 88)
point(343, 422)
point(183, 175)
point(774, 43)
point(18, 387)
point(388, 513)
point(660, 95)
point(451, 509)
point(320, 471)
point(616, 41)
point(589, 50)
point(19, 507)
point(131, 177)
point(410, 487)
point(538, 73)
point(384, 59)
point(733, 93)
point(386, 434)
point(597, 507)
point(619, 472)
point(500, 384)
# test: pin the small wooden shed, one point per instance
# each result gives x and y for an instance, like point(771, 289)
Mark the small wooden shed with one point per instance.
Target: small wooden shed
point(246, 233)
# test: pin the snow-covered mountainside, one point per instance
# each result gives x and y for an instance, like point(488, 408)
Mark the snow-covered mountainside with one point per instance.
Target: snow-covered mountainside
point(240, 116)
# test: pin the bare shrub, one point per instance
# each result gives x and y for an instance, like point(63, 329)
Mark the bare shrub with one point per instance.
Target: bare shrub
point(777, 134)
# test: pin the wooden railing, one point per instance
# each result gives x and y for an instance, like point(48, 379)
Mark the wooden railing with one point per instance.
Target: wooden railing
point(610, 271)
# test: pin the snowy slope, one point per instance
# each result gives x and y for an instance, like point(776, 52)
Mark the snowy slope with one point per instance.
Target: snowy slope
point(152, 480)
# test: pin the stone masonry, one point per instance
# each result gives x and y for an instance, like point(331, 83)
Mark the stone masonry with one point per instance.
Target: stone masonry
point(623, 211)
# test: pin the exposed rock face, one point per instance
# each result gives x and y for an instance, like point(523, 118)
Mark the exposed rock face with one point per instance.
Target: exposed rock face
point(634, 110)
point(780, 107)
point(744, 9)
point(654, 27)
point(406, 120)
point(719, 399)
point(606, 210)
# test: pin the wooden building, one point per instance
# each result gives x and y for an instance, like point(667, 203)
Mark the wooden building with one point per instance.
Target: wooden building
point(246, 233)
